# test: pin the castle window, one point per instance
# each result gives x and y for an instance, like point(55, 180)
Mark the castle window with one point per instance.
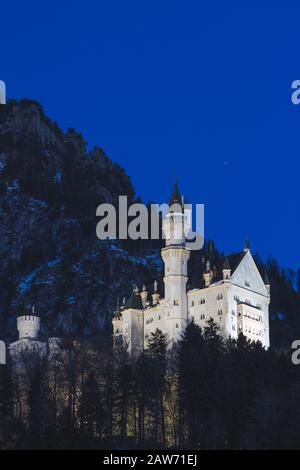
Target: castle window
point(220, 311)
point(233, 312)
point(258, 306)
point(219, 296)
point(202, 301)
point(247, 301)
point(176, 302)
point(247, 284)
point(192, 304)
point(236, 297)
point(176, 325)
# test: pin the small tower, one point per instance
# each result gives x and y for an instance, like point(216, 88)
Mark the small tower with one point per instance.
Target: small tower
point(155, 295)
point(144, 296)
point(2, 92)
point(207, 275)
point(226, 269)
point(29, 326)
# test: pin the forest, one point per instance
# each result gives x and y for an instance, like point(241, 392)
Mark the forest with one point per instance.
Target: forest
point(203, 393)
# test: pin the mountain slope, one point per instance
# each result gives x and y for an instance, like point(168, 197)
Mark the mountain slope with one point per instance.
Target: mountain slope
point(50, 187)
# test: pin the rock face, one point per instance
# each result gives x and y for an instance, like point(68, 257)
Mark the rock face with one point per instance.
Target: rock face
point(50, 257)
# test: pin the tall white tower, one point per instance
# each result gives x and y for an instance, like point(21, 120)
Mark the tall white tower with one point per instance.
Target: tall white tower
point(2, 92)
point(175, 257)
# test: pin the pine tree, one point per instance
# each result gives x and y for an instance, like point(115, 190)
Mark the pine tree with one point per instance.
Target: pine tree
point(192, 394)
point(156, 356)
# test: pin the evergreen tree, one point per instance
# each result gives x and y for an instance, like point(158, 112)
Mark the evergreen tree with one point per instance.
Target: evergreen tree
point(156, 357)
point(192, 391)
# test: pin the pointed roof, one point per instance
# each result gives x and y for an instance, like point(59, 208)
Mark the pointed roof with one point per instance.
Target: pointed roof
point(226, 264)
point(175, 196)
point(247, 245)
point(235, 259)
point(134, 301)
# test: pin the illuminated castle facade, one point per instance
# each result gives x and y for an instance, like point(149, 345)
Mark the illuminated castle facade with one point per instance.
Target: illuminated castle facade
point(234, 295)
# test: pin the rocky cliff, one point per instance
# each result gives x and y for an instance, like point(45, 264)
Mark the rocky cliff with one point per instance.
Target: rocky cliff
point(50, 187)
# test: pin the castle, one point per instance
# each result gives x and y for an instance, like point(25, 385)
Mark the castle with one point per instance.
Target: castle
point(234, 295)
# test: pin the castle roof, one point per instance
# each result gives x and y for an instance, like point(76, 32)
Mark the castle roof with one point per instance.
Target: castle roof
point(134, 301)
point(235, 259)
point(231, 262)
point(175, 196)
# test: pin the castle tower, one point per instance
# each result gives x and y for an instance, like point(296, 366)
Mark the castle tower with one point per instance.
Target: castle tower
point(2, 92)
point(29, 326)
point(175, 257)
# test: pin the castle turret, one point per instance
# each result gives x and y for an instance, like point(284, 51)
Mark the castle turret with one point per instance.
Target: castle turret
point(155, 295)
point(175, 257)
point(144, 296)
point(226, 269)
point(29, 326)
point(207, 275)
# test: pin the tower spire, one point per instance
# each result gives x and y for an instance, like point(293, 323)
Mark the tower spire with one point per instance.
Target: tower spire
point(247, 245)
point(226, 264)
point(175, 196)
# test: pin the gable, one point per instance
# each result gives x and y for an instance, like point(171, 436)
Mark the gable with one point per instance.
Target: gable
point(247, 272)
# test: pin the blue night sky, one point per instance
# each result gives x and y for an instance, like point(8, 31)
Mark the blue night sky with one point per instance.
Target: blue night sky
point(181, 86)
